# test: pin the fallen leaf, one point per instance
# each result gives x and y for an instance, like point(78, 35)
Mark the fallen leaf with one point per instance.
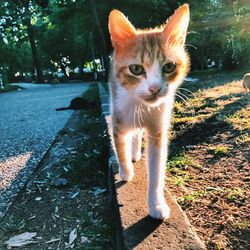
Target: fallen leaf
point(99, 191)
point(72, 236)
point(74, 195)
point(84, 239)
point(60, 182)
point(52, 240)
point(21, 240)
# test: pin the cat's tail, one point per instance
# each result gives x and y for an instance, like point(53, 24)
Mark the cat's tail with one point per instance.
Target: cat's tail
point(61, 109)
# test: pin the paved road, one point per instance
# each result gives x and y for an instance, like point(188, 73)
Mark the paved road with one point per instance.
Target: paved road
point(28, 125)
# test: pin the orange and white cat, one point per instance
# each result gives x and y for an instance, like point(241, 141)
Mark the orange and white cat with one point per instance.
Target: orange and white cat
point(147, 68)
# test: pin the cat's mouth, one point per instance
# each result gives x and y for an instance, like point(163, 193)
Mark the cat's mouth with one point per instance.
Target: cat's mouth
point(151, 98)
point(154, 98)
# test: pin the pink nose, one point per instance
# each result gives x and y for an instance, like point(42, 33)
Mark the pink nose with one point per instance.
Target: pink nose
point(154, 89)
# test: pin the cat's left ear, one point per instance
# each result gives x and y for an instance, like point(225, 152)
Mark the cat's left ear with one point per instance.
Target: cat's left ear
point(174, 33)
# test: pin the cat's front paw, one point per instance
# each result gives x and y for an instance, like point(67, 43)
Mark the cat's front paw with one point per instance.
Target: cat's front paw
point(161, 211)
point(136, 157)
point(126, 176)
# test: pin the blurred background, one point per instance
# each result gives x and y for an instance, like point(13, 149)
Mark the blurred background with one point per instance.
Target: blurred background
point(62, 40)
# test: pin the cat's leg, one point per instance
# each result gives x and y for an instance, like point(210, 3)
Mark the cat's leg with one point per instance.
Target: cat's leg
point(156, 155)
point(123, 143)
point(136, 145)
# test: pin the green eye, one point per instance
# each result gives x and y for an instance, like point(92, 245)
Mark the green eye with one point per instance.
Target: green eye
point(169, 68)
point(136, 69)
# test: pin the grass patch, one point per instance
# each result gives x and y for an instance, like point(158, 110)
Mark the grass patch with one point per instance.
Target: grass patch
point(244, 225)
point(177, 166)
point(90, 227)
point(234, 194)
point(218, 150)
point(191, 119)
point(179, 160)
point(240, 120)
point(181, 180)
point(193, 196)
point(243, 138)
point(179, 107)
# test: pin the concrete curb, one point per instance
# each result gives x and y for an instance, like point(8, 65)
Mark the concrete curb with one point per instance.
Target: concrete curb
point(134, 228)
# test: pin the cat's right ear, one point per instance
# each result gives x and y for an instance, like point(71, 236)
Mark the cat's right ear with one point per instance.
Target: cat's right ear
point(175, 31)
point(120, 28)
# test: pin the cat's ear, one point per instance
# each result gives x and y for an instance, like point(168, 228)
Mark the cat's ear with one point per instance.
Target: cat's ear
point(174, 33)
point(120, 28)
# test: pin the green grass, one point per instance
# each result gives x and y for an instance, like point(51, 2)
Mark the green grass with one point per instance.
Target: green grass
point(244, 225)
point(218, 150)
point(177, 166)
point(193, 196)
point(240, 120)
point(181, 180)
point(243, 138)
point(234, 194)
point(179, 160)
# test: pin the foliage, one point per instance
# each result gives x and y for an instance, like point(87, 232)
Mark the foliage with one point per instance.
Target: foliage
point(37, 37)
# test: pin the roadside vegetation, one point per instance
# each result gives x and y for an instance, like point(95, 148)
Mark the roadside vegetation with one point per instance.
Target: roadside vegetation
point(210, 177)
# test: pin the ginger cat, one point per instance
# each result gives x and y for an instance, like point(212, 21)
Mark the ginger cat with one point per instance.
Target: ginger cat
point(147, 68)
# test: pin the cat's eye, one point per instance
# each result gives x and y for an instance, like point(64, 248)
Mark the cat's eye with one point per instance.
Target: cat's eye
point(169, 68)
point(136, 69)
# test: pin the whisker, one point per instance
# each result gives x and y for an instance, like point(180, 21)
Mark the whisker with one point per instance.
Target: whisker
point(190, 101)
point(190, 45)
point(138, 118)
point(183, 95)
point(141, 113)
point(135, 116)
point(189, 92)
point(142, 109)
point(189, 104)
point(182, 98)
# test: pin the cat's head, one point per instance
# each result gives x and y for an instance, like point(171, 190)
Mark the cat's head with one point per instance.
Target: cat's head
point(150, 63)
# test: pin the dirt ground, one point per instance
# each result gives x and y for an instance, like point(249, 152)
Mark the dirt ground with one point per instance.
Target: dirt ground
point(208, 169)
point(65, 202)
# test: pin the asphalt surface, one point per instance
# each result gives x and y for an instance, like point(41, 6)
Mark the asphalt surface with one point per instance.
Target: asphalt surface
point(28, 126)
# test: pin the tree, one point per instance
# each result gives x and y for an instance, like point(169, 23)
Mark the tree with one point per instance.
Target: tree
point(18, 24)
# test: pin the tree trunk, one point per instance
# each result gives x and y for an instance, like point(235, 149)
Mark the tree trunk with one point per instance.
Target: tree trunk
point(93, 56)
point(81, 68)
point(63, 68)
point(100, 31)
point(202, 59)
point(36, 62)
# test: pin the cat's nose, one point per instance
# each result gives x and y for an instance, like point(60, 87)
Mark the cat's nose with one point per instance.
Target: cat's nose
point(154, 89)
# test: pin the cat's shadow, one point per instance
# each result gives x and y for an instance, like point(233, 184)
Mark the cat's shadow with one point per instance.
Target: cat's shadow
point(140, 230)
point(119, 184)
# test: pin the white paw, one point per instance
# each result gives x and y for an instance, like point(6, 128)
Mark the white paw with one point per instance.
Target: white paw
point(136, 157)
point(160, 212)
point(128, 176)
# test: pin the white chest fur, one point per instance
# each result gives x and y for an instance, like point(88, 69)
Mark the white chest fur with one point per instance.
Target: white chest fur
point(135, 114)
